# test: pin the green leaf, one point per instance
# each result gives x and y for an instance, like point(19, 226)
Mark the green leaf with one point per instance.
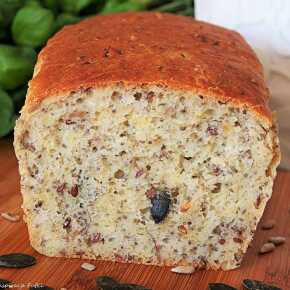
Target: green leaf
point(65, 19)
point(94, 7)
point(32, 3)
point(51, 4)
point(2, 28)
point(74, 6)
point(2, 33)
point(114, 6)
point(16, 66)
point(7, 118)
point(18, 98)
point(32, 26)
point(172, 7)
point(8, 9)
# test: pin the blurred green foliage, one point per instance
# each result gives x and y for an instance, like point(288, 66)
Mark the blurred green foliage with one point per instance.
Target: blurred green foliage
point(16, 65)
point(114, 6)
point(7, 117)
point(32, 26)
point(65, 19)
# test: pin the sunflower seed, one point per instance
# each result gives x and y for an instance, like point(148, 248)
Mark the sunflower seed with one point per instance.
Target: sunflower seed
point(220, 286)
point(258, 285)
point(40, 287)
point(267, 248)
point(183, 269)
point(269, 224)
point(106, 283)
point(88, 267)
point(16, 260)
point(4, 284)
point(10, 216)
point(277, 240)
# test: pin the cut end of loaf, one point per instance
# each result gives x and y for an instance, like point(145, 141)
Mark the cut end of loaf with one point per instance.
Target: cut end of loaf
point(93, 165)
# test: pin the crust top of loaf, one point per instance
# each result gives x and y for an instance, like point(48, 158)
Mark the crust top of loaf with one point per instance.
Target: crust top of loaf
point(150, 48)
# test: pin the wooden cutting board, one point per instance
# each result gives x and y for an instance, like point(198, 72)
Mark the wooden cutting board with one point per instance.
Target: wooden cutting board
point(58, 272)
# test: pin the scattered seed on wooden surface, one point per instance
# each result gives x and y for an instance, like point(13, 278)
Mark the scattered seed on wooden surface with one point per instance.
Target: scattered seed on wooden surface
point(220, 286)
point(267, 248)
point(88, 266)
point(130, 287)
point(258, 285)
point(108, 283)
point(4, 284)
point(16, 260)
point(183, 269)
point(40, 287)
point(277, 240)
point(10, 216)
point(268, 224)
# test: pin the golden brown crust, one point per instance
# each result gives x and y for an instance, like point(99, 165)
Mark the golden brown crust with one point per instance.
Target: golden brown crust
point(150, 48)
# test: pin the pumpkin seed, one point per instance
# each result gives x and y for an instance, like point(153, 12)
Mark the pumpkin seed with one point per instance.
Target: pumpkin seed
point(106, 282)
point(130, 287)
point(16, 260)
point(258, 285)
point(160, 206)
point(220, 286)
point(4, 284)
point(40, 287)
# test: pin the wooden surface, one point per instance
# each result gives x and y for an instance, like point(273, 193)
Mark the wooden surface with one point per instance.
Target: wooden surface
point(57, 272)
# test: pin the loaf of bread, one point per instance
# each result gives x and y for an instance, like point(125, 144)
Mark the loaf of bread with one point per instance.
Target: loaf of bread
point(146, 138)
